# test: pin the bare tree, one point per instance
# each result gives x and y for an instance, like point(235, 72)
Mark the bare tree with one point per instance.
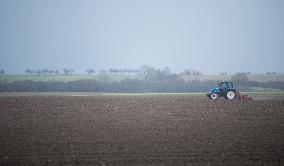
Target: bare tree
point(38, 72)
point(57, 72)
point(90, 71)
point(28, 71)
point(113, 71)
point(240, 77)
point(44, 71)
point(167, 70)
point(67, 71)
point(2, 72)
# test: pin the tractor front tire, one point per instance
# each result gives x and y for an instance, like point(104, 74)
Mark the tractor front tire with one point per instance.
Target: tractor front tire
point(230, 95)
point(213, 96)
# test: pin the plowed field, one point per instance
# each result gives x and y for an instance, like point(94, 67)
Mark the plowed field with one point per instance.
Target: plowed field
point(140, 130)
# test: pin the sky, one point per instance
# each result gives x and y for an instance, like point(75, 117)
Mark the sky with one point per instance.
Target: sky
point(209, 36)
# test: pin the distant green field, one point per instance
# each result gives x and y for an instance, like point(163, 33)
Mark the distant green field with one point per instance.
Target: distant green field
point(252, 77)
point(66, 78)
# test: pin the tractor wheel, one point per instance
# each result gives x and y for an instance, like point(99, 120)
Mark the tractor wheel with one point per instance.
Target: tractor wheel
point(230, 95)
point(213, 96)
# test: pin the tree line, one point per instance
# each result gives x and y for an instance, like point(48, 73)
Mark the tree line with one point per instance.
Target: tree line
point(126, 71)
point(48, 71)
point(2, 72)
point(150, 71)
point(154, 80)
point(89, 71)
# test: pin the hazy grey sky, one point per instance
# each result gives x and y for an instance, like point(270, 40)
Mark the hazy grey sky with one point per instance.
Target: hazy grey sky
point(209, 35)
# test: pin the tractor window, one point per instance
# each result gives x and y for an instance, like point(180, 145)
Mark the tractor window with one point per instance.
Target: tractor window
point(224, 85)
point(230, 85)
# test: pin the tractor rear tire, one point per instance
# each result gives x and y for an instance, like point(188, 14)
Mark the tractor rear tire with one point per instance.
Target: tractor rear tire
point(213, 96)
point(230, 95)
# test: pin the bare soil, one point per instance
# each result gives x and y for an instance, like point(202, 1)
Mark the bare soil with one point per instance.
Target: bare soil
point(140, 130)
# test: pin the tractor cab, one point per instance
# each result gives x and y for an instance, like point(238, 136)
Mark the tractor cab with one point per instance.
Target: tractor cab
point(224, 85)
point(226, 89)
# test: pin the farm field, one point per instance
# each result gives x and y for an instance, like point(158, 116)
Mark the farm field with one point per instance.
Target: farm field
point(140, 130)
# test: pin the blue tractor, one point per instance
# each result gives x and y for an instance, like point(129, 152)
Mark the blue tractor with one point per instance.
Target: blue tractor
point(226, 89)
